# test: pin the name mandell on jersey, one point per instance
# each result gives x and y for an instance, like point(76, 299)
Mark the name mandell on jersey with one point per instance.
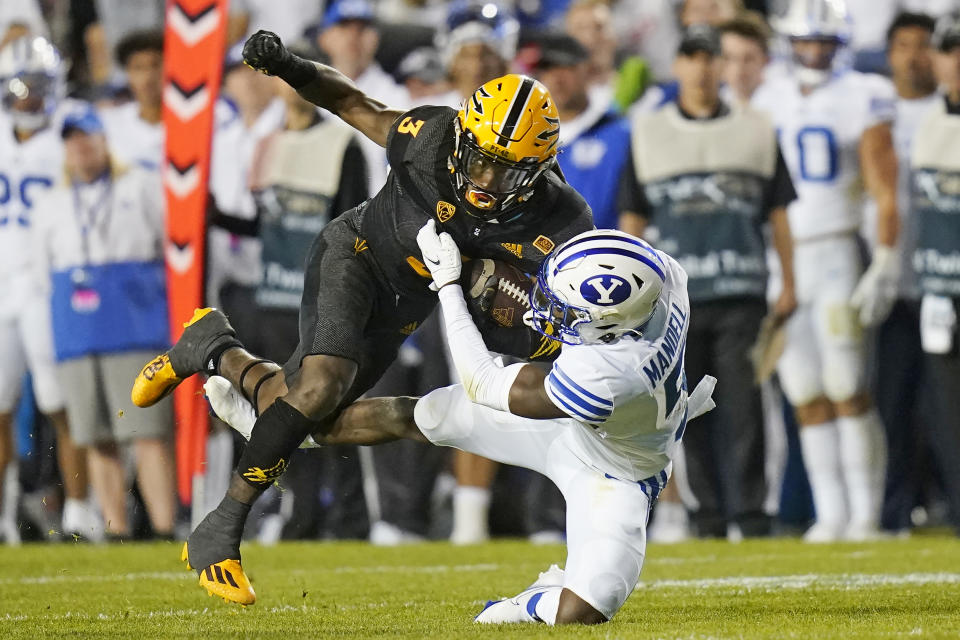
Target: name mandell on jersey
point(819, 136)
point(630, 396)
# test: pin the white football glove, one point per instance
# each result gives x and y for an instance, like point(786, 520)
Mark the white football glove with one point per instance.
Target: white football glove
point(441, 255)
point(877, 290)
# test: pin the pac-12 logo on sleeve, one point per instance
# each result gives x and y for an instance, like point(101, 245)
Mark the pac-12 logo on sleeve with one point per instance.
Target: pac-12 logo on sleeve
point(605, 290)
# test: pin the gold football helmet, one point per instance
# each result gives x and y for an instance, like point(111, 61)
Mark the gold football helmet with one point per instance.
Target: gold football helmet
point(507, 135)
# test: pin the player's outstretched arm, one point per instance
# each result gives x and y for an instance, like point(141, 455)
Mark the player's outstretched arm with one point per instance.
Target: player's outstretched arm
point(322, 85)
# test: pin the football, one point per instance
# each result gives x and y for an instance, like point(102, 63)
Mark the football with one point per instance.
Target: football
point(496, 291)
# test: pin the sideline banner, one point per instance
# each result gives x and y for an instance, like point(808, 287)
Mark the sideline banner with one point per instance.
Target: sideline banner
point(193, 59)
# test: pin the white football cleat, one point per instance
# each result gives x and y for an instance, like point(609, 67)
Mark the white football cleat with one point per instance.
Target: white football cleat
point(230, 405)
point(516, 609)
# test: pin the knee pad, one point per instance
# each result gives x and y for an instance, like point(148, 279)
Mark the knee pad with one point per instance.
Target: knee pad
point(442, 414)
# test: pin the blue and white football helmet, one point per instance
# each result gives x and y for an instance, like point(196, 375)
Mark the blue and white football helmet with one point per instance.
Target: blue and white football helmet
point(31, 81)
point(822, 20)
point(597, 287)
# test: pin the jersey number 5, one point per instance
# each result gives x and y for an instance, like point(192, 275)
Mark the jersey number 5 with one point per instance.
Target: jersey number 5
point(409, 125)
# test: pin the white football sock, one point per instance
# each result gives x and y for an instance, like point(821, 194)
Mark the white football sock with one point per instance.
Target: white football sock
point(864, 458)
point(820, 444)
point(471, 506)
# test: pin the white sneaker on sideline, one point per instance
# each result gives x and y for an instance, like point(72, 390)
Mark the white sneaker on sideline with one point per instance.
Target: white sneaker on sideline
point(863, 532)
point(670, 524)
point(81, 520)
point(10, 532)
point(824, 533)
point(384, 534)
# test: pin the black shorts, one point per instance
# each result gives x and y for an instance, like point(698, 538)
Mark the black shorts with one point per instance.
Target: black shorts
point(350, 310)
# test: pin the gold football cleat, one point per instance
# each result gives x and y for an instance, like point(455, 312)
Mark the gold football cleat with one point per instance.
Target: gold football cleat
point(206, 332)
point(224, 579)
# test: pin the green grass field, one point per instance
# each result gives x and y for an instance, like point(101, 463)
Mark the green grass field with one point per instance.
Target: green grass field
point(703, 590)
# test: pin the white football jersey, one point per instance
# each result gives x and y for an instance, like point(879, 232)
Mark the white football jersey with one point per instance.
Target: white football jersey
point(133, 141)
point(819, 137)
point(630, 397)
point(27, 170)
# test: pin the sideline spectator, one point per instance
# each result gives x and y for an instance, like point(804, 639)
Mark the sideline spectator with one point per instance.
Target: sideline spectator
point(421, 72)
point(31, 160)
point(349, 38)
point(708, 178)
point(98, 243)
point(594, 141)
point(745, 45)
point(591, 23)
point(648, 29)
point(115, 20)
point(475, 48)
point(135, 130)
point(900, 372)
point(835, 125)
point(289, 19)
point(936, 170)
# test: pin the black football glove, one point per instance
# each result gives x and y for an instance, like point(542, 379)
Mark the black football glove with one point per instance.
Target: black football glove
point(264, 52)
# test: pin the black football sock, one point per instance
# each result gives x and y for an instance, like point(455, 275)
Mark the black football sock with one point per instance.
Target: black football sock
point(217, 537)
point(276, 435)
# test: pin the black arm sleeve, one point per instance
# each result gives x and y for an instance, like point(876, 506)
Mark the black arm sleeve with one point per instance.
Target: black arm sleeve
point(630, 193)
point(780, 191)
point(232, 224)
point(353, 180)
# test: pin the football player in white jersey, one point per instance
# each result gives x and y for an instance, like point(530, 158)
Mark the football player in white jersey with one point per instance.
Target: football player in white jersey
point(602, 424)
point(835, 133)
point(31, 161)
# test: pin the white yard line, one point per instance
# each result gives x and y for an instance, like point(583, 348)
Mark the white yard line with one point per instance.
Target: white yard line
point(841, 581)
point(66, 577)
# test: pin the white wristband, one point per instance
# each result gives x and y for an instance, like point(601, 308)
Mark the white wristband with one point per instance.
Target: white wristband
point(484, 379)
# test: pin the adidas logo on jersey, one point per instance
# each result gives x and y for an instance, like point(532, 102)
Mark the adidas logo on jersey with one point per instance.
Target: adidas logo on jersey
point(515, 249)
point(409, 328)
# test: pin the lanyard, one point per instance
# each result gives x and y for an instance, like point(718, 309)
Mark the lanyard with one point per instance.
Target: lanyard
point(89, 218)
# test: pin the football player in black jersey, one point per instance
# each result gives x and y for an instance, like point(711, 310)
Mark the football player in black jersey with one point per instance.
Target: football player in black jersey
point(485, 173)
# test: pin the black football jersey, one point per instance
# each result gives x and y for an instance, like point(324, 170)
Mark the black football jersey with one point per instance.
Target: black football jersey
point(420, 186)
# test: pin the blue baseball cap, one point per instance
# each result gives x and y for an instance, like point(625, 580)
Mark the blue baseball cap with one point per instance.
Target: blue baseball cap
point(343, 10)
point(85, 120)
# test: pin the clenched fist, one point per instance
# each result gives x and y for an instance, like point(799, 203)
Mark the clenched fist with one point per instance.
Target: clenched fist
point(264, 52)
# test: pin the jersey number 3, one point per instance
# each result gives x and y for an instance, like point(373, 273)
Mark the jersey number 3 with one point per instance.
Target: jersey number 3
point(409, 125)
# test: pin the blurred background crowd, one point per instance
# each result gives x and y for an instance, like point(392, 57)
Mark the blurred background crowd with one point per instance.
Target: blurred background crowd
point(865, 433)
